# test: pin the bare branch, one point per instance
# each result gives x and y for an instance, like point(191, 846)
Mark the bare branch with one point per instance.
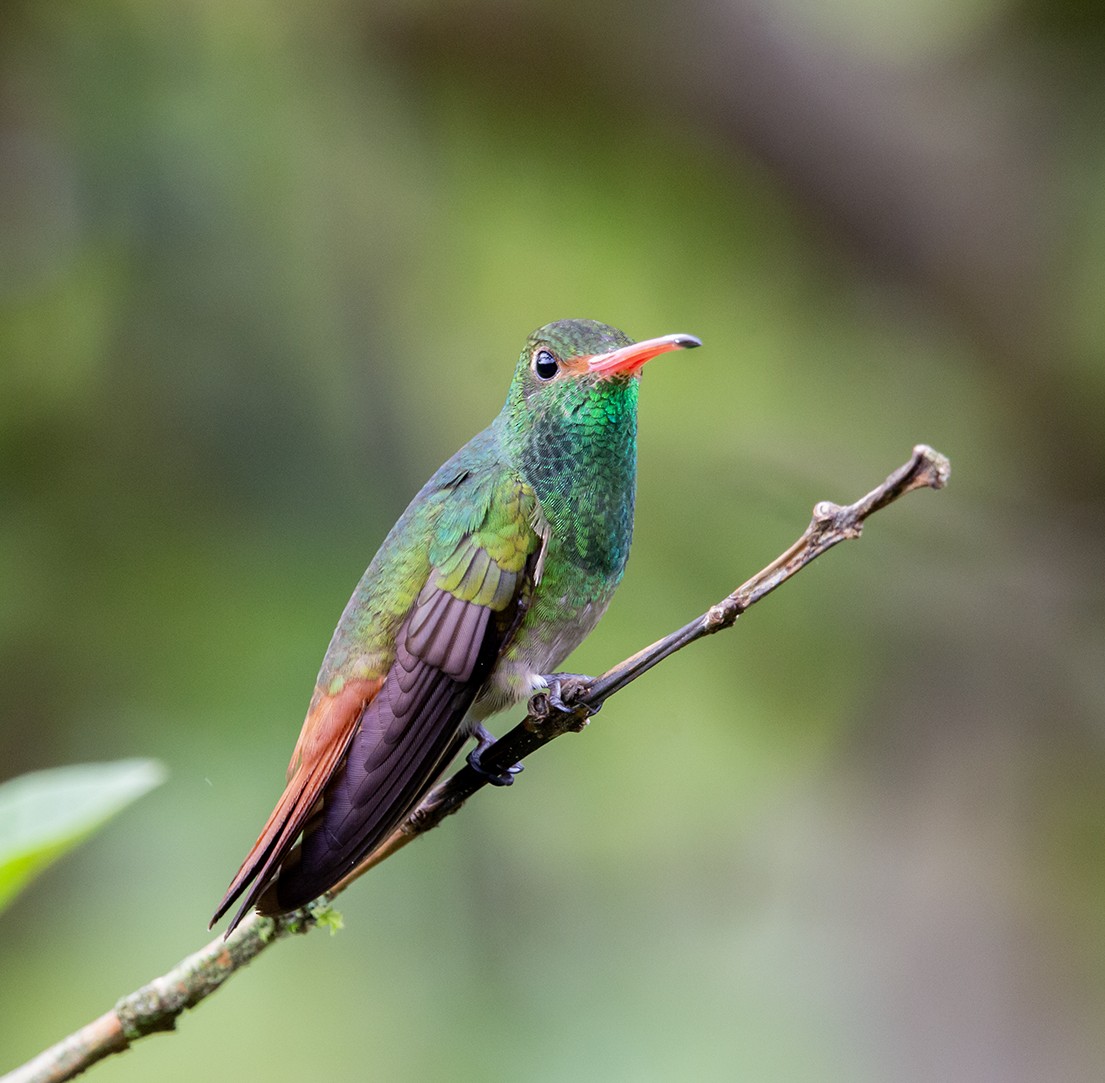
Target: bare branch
point(830, 525)
point(155, 1006)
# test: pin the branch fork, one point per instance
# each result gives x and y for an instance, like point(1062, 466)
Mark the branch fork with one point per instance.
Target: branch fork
point(155, 1007)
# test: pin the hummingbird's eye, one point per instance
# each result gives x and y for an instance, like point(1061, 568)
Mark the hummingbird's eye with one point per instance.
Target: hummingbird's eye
point(545, 365)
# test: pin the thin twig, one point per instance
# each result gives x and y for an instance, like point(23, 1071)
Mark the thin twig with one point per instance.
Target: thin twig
point(830, 525)
point(155, 1006)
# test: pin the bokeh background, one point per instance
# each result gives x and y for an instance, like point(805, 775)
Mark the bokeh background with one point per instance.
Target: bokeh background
point(264, 265)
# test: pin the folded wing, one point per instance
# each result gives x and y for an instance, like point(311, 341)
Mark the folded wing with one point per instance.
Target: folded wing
point(368, 754)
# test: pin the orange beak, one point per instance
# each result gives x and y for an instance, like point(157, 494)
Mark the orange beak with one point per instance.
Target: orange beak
point(629, 360)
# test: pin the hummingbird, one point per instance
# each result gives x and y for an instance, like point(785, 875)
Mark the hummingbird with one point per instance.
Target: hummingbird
point(500, 566)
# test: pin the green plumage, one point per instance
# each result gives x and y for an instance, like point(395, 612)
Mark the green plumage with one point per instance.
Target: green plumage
point(559, 461)
point(501, 564)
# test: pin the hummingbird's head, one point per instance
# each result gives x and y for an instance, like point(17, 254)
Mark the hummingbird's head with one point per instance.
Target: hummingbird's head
point(570, 427)
point(569, 364)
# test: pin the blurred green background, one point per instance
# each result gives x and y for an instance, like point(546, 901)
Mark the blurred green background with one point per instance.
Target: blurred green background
point(264, 265)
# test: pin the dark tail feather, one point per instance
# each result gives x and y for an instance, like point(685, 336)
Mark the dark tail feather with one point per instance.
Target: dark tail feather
point(394, 759)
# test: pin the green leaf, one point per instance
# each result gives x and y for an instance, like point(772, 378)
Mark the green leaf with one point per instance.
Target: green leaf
point(45, 813)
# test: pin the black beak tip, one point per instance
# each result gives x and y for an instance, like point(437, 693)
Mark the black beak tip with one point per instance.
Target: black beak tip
point(688, 342)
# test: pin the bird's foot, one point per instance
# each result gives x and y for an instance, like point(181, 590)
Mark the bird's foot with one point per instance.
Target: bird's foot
point(484, 740)
point(557, 709)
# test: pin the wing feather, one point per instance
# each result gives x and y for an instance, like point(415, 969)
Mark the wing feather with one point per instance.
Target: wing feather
point(405, 740)
point(322, 743)
point(368, 753)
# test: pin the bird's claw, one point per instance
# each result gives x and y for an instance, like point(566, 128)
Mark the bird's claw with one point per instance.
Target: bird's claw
point(557, 707)
point(484, 740)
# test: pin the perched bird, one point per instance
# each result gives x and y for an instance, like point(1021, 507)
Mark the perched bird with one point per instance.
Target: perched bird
point(501, 565)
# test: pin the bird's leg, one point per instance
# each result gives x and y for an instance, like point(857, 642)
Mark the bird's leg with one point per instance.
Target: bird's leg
point(484, 740)
point(565, 688)
point(556, 709)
